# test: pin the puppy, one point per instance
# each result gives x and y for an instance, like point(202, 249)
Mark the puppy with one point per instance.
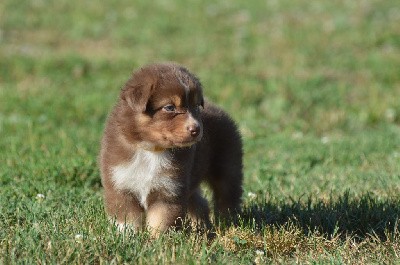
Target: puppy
point(160, 142)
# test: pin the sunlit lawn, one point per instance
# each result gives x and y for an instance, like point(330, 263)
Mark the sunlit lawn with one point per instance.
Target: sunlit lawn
point(313, 86)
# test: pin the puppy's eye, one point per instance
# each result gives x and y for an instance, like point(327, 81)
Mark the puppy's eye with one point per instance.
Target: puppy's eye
point(169, 108)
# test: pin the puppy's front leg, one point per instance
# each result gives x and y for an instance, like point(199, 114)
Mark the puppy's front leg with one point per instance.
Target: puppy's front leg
point(198, 210)
point(163, 214)
point(124, 208)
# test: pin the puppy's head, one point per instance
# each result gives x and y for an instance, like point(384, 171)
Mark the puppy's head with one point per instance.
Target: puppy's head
point(161, 106)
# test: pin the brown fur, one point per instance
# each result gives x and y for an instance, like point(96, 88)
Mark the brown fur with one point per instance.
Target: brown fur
point(199, 144)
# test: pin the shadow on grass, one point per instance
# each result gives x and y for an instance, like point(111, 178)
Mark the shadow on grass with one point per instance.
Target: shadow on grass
point(346, 215)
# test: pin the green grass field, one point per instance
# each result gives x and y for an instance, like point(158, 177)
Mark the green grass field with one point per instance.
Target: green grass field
point(313, 86)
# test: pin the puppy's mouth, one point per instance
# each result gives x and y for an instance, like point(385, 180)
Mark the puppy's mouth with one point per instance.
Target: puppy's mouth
point(186, 143)
point(160, 147)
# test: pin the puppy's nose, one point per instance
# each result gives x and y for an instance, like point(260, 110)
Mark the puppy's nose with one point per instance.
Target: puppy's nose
point(194, 129)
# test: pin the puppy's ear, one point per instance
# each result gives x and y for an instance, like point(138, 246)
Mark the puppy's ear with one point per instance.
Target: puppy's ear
point(136, 95)
point(202, 102)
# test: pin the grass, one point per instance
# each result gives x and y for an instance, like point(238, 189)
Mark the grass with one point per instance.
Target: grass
point(314, 88)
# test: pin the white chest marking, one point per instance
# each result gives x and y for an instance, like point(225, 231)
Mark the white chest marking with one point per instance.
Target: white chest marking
point(145, 172)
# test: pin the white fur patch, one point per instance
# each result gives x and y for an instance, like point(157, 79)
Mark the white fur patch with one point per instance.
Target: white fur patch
point(145, 172)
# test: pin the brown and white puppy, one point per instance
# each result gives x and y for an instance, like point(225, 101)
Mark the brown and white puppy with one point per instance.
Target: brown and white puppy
point(160, 142)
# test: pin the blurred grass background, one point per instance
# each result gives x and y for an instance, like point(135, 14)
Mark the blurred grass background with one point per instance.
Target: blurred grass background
point(313, 86)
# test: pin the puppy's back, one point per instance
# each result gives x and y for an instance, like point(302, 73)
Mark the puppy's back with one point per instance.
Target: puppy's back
point(220, 151)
